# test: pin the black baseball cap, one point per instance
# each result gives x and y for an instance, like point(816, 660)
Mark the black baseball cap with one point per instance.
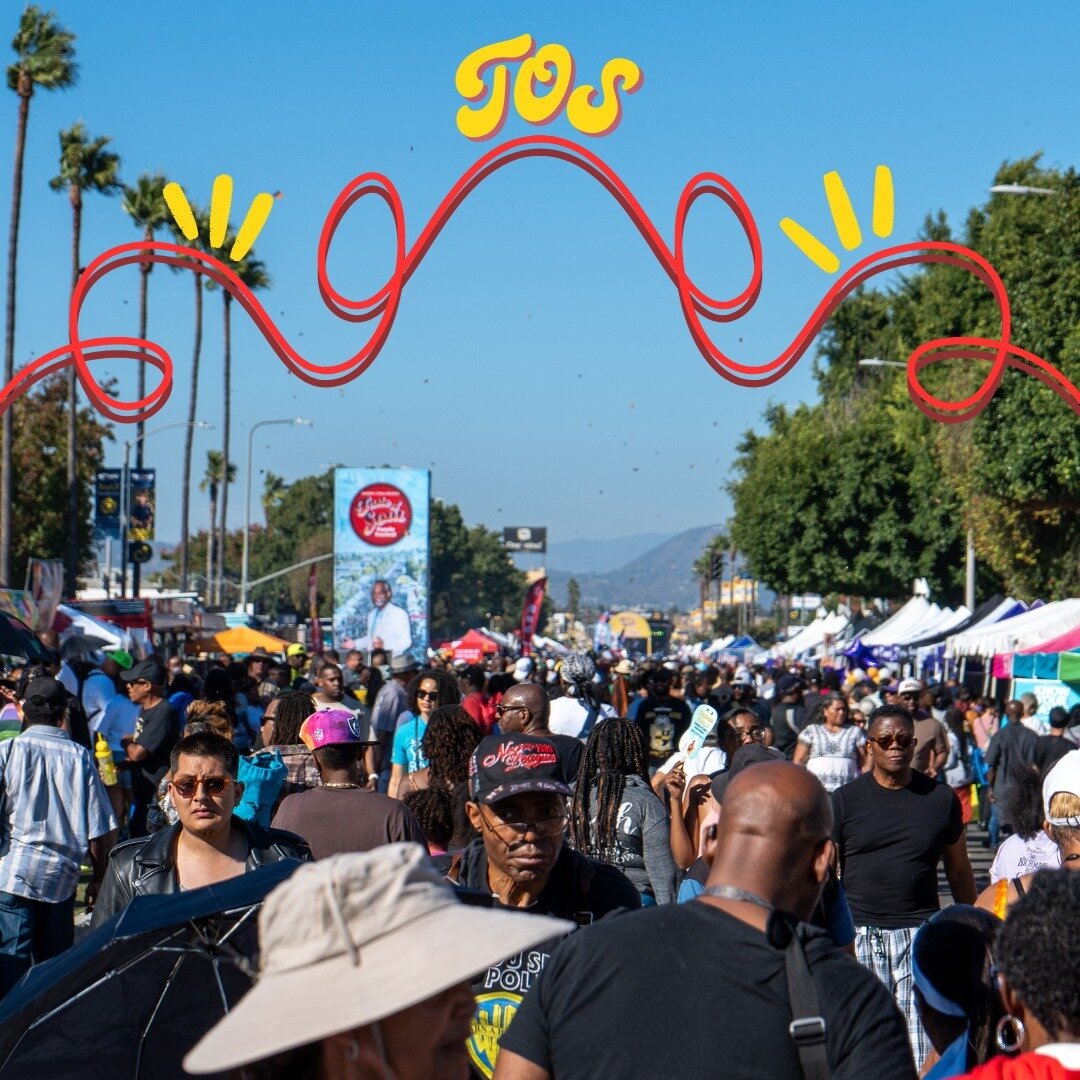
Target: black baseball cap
point(151, 669)
point(44, 692)
point(505, 765)
point(745, 756)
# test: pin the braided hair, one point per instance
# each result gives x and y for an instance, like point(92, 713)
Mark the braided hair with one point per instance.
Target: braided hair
point(615, 750)
point(293, 708)
point(433, 808)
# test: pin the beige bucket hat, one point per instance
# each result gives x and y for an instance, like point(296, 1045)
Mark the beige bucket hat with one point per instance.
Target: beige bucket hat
point(355, 938)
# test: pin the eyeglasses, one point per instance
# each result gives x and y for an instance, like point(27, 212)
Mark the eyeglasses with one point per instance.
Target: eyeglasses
point(552, 825)
point(500, 709)
point(754, 734)
point(909, 694)
point(887, 742)
point(427, 695)
point(214, 786)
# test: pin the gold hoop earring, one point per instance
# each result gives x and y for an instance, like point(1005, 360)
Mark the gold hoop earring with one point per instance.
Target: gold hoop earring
point(1019, 1034)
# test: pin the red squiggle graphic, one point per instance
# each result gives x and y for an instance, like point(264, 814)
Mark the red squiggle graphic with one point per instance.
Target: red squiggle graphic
point(696, 304)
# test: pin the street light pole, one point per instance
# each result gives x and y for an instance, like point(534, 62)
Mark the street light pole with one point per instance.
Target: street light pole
point(299, 421)
point(125, 508)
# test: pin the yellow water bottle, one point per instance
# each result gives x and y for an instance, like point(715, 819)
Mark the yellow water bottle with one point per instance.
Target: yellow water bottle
point(105, 764)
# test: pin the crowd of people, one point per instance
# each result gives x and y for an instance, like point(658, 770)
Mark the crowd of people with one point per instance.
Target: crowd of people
point(466, 826)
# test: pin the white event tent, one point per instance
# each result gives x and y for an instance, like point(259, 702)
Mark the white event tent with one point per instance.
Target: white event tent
point(1010, 635)
point(813, 636)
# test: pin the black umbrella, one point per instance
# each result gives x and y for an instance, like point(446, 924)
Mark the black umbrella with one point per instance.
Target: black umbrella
point(135, 995)
point(17, 639)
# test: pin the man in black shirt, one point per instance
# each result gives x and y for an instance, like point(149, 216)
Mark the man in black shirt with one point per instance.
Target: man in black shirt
point(719, 956)
point(157, 729)
point(525, 709)
point(661, 717)
point(891, 827)
point(518, 805)
point(1050, 749)
point(1011, 751)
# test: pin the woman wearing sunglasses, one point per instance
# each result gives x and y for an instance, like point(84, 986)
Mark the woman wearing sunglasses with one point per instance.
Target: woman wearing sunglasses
point(429, 690)
point(207, 845)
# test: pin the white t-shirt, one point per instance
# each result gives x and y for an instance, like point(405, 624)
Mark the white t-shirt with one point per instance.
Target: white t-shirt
point(708, 760)
point(97, 691)
point(1033, 723)
point(1017, 857)
point(568, 716)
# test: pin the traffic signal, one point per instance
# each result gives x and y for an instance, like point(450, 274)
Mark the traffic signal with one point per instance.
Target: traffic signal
point(139, 551)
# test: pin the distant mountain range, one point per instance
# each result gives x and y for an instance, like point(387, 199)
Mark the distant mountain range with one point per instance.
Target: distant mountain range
point(658, 577)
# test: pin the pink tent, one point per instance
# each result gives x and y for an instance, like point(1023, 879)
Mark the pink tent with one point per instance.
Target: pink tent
point(1062, 643)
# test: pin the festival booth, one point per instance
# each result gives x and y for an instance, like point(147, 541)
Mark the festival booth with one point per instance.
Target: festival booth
point(473, 647)
point(1050, 671)
point(825, 628)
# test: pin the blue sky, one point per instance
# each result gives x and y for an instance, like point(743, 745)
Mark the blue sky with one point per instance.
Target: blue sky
point(539, 364)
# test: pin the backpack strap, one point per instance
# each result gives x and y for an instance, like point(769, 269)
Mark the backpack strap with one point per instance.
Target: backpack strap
point(807, 1028)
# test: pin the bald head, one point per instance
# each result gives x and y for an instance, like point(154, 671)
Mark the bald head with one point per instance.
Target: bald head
point(773, 839)
point(1014, 710)
point(780, 801)
point(530, 699)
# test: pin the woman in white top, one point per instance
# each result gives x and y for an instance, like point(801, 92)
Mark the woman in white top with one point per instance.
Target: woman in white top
point(834, 750)
point(578, 711)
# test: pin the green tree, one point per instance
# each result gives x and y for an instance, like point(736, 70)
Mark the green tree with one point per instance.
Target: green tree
point(573, 598)
point(472, 576)
point(214, 479)
point(252, 272)
point(202, 220)
point(145, 205)
point(85, 166)
point(45, 60)
point(40, 516)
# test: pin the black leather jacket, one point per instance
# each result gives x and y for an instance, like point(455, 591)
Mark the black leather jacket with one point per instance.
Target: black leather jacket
point(144, 867)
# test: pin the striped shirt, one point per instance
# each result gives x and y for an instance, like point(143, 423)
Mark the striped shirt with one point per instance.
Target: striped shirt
point(52, 804)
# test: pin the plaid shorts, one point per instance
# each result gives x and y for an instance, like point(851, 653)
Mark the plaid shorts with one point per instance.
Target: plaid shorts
point(887, 953)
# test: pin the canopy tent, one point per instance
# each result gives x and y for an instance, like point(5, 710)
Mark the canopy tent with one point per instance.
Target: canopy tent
point(1062, 643)
point(898, 627)
point(242, 639)
point(473, 647)
point(69, 620)
point(813, 636)
point(1039, 624)
point(989, 611)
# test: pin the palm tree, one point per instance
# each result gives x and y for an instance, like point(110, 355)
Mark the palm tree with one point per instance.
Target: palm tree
point(202, 219)
point(709, 567)
point(45, 54)
point(215, 479)
point(252, 272)
point(146, 206)
point(85, 165)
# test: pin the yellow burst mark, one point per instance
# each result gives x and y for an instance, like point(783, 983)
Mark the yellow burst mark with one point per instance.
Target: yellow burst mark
point(258, 212)
point(810, 246)
point(176, 201)
point(220, 205)
point(843, 213)
point(883, 201)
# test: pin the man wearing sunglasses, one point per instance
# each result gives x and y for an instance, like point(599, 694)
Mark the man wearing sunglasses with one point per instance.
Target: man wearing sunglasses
point(892, 826)
point(517, 802)
point(207, 845)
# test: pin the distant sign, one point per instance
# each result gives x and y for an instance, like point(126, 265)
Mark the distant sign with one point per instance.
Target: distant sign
point(530, 539)
point(141, 506)
point(107, 504)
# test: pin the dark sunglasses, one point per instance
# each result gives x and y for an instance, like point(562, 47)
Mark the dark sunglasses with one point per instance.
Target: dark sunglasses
point(427, 695)
point(887, 742)
point(187, 786)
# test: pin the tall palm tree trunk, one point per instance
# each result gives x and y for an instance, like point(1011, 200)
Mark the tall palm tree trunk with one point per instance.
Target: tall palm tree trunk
point(225, 448)
point(189, 437)
point(6, 493)
point(210, 533)
point(72, 476)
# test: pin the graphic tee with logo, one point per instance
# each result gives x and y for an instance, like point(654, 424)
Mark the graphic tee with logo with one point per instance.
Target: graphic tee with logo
point(662, 722)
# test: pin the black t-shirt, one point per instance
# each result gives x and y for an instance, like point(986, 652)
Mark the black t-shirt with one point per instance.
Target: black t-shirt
point(662, 721)
point(1049, 750)
point(578, 889)
point(788, 719)
point(890, 844)
point(587, 1015)
point(157, 730)
point(569, 750)
point(1011, 750)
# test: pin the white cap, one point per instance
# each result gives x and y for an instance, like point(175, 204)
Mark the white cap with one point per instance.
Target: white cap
point(1063, 777)
point(909, 686)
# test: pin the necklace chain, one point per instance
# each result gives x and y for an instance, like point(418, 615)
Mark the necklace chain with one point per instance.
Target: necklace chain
point(730, 892)
point(340, 787)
